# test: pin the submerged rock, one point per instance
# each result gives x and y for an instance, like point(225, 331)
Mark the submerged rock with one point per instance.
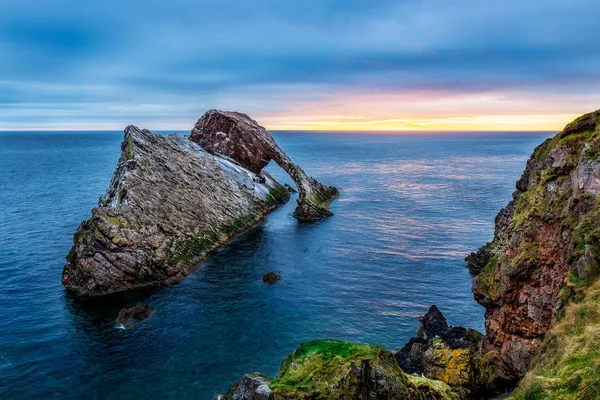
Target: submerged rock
point(545, 238)
point(331, 369)
point(129, 316)
point(271, 277)
point(242, 139)
point(168, 205)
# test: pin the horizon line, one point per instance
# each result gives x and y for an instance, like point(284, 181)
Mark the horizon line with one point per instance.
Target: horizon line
point(304, 130)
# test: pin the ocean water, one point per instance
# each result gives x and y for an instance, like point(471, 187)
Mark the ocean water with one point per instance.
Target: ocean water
point(411, 208)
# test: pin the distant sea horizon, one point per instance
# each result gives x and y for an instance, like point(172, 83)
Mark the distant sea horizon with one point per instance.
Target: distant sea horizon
point(297, 131)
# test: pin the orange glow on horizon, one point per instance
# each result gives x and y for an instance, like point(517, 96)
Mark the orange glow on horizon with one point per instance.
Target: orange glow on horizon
point(466, 123)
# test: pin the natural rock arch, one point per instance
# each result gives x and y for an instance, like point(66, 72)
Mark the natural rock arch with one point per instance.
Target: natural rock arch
point(239, 137)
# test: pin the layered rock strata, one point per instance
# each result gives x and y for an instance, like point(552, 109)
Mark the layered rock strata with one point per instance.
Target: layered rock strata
point(237, 136)
point(168, 205)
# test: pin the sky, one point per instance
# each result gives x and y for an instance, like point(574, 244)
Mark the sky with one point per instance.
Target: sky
point(291, 64)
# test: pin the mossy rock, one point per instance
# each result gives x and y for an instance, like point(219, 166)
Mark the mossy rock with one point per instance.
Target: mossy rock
point(332, 369)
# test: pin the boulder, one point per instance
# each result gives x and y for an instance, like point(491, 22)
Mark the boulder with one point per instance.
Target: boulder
point(271, 277)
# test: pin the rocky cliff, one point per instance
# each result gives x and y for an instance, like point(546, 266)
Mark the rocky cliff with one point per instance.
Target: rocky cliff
point(336, 370)
point(242, 139)
point(170, 203)
point(546, 237)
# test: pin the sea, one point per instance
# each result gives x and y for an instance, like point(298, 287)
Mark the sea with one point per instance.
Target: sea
point(412, 206)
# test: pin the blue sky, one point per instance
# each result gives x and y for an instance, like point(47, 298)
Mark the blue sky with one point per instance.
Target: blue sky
point(298, 64)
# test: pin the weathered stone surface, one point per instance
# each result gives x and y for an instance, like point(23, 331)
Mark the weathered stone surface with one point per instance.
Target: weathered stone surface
point(250, 387)
point(242, 139)
point(271, 277)
point(445, 353)
point(129, 316)
point(548, 231)
point(168, 205)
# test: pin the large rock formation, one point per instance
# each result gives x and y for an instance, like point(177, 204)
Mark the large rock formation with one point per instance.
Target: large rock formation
point(240, 138)
point(547, 236)
point(335, 370)
point(169, 203)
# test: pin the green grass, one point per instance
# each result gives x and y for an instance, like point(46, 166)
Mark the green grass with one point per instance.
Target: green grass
point(327, 369)
point(315, 364)
point(568, 364)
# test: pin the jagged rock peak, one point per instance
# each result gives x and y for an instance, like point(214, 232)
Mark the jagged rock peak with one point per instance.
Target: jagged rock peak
point(168, 205)
point(239, 137)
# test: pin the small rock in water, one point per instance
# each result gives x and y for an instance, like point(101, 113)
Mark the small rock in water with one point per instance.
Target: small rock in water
point(271, 277)
point(128, 316)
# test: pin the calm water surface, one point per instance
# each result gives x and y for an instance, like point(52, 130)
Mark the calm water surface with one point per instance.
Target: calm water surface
point(411, 208)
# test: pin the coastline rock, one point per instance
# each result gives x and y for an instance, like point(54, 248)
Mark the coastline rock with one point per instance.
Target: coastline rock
point(169, 204)
point(251, 386)
point(445, 353)
point(331, 369)
point(547, 235)
point(129, 316)
point(237, 136)
point(271, 277)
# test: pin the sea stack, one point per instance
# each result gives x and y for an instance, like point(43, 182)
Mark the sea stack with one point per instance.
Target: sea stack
point(169, 204)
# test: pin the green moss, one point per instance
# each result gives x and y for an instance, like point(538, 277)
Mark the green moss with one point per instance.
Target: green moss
point(192, 247)
point(486, 277)
point(128, 150)
point(187, 248)
point(526, 252)
point(325, 196)
point(117, 221)
point(277, 195)
point(327, 369)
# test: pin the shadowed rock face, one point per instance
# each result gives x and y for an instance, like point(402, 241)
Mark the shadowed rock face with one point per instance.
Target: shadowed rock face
point(168, 205)
point(128, 317)
point(240, 138)
point(546, 237)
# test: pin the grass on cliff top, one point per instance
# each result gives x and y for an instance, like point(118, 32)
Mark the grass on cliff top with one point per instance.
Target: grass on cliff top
point(568, 364)
point(322, 369)
point(313, 366)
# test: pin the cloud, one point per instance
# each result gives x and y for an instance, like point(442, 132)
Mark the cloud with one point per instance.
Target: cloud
point(105, 63)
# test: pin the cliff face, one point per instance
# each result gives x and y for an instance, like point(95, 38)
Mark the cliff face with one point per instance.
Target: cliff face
point(240, 138)
point(547, 235)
